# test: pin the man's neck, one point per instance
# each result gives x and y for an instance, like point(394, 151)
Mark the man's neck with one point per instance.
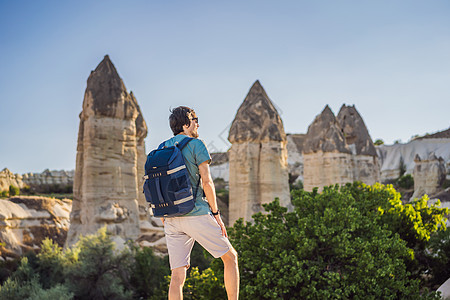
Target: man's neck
point(182, 133)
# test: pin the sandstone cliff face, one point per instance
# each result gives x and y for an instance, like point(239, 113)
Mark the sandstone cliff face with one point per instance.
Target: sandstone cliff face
point(429, 175)
point(295, 158)
point(258, 157)
point(391, 156)
point(49, 178)
point(355, 131)
point(26, 221)
point(7, 178)
point(325, 135)
point(338, 150)
point(110, 160)
point(365, 161)
point(327, 158)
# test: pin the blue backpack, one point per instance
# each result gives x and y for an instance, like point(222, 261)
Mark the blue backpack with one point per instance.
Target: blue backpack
point(167, 186)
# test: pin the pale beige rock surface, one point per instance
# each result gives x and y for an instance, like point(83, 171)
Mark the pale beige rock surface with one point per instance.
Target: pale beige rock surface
point(295, 158)
point(365, 160)
point(258, 157)
point(429, 175)
point(48, 177)
point(338, 150)
point(326, 168)
point(445, 289)
point(25, 221)
point(7, 178)
point(110, 159)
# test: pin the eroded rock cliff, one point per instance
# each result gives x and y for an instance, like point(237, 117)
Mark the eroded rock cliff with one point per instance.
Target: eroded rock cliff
point(26, 221)
point(258, 156)
point(110, 160)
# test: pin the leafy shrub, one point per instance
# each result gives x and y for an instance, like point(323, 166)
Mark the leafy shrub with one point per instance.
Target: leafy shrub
point(148, 273)
point(378, 142)
point(356, 241)
point(438, 258)
point(405, 181)
point(4, 194)
point(296, 186)
point(203, 285)
point(402, 167)
point(98, 270)
point(51, 264)
point(446, 184)
point(13, 191)
point(57, 292)
point(92, 269)
point(24, 284)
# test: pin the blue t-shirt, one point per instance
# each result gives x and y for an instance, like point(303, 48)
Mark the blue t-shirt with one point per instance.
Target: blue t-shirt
point(195, 153)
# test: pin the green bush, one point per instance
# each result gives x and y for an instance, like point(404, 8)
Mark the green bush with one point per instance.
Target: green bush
point(354, 242)
point(446, 184)
point(148, 273)
point(13, 191)
point(4, 194)
point(98, 270)
point(92, 269)
point(405, 181)
point(296, 186)
point(378, 142)
point(203, 285)
point(438, 258)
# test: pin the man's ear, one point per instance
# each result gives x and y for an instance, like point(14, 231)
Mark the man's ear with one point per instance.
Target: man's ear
point(185, 127)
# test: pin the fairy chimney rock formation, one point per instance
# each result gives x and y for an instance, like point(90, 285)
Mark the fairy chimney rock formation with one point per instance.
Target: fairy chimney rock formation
point(365, 160)
point(258, 157)
point(429, 175)
point(355, 131)
point(327, 159)
point(339, 150)
point(109, 166)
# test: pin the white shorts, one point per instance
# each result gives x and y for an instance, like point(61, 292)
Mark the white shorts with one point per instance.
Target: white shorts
point(182, 232)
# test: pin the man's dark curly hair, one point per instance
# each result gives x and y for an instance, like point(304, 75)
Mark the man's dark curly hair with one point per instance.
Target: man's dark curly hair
point(180, 116)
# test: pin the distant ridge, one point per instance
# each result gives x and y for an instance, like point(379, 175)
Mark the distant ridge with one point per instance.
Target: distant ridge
point(445, 134)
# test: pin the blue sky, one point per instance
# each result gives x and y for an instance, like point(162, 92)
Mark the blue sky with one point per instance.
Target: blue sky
point(389, 58)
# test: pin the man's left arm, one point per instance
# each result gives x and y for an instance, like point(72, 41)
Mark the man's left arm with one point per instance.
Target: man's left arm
point(210, 192)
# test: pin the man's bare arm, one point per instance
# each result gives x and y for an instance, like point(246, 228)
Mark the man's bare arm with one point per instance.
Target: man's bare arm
point(210, 192)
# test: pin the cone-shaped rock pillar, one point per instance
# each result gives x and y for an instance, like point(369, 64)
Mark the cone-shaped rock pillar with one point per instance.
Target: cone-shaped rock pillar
point(326, 157)
point(339, 150)
point(429, 175)
point(109, 158)
point(365, 160)
point(258, 157)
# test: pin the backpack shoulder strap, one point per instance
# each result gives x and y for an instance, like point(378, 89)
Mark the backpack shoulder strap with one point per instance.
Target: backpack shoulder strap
point(184, 142)
point(162, 145)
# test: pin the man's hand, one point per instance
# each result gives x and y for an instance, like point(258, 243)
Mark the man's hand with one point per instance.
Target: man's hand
point(221, 224)
point(162, 220)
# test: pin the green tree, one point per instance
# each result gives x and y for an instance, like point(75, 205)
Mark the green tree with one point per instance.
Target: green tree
point(148, 273)
point(99, 270)
point(345, 243)
point(405, 181)
point(13, 191)
point(378, 142)
point(438, 259)
point(24, 284)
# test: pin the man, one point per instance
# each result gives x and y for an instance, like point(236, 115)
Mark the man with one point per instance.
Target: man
point(203, 224)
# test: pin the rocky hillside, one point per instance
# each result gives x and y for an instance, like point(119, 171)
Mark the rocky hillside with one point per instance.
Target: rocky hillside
point(26, 221)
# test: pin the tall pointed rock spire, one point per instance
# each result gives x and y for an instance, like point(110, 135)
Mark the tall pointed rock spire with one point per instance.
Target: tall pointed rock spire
point(325, 134)
point(110, 160)
point(106, 93)
point(258, 157)
point(257, 119)
point(355, 131)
